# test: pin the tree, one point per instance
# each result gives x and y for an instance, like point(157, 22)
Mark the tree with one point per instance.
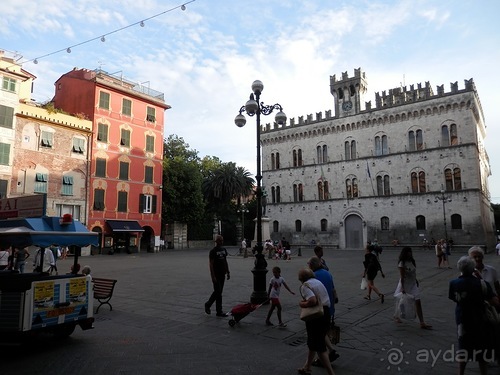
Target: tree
point(182, 180)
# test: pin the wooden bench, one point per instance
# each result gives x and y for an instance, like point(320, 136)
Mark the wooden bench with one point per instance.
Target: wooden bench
point(103, 291)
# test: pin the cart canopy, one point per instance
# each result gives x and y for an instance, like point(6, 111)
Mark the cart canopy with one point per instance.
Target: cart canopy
point(45, 231)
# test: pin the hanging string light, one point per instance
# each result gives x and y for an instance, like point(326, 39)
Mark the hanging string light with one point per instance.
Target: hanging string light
point(102, 37)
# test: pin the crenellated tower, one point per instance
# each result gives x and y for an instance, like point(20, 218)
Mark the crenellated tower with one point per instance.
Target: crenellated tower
point(348, 93)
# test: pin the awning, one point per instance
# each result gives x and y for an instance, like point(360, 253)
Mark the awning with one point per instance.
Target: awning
point(124, 226)
point(44, 232)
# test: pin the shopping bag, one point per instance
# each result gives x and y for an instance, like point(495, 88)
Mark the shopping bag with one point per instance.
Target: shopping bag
point(364, 284)
point(405, 306)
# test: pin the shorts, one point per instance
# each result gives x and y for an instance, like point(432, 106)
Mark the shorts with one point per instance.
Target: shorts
point(275, 302)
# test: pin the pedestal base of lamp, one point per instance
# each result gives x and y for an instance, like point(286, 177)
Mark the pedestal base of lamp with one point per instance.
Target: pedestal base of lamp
point(259, 294)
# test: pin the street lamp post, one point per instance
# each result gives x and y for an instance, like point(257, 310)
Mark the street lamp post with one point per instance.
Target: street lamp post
point(254, 107)
point(444, 199)
point(243, 211)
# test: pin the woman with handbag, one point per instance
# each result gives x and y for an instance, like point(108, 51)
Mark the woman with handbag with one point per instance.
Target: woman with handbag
point(315, 311)
point(475, 335)
point(408, 283)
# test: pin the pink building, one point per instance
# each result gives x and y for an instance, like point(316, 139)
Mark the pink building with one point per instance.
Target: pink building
point(126, 149)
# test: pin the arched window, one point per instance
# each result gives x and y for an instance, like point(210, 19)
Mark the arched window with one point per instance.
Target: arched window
point(383, 187)
point(298, 193)
point(415, 140)
point(319, 154)
point(298, 226)
point(456, 221)
point(276, 226)
point(273, 161)
point(420, 222)
point(297, 158)
point(278, 194)
point(325, 154)
point(320, 191)
point(324, 225)
point(351, 188)
point(449, 135)
point(381, 147)
point(384, 223)
point(453, 179)
point(418, 182)
point(350, 150)
point(273, 194)
point(325, 190)
point(277, 160)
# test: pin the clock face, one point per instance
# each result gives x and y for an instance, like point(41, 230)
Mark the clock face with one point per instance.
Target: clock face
point(347, 106)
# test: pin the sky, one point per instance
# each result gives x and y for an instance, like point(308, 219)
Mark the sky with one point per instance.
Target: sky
point(204, 58)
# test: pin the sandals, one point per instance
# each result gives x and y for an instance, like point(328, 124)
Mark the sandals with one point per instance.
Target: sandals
point(367, 297)
point(381, 298)
point(304, 371)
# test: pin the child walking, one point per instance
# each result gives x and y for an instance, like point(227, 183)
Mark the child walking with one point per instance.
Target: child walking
point(274, 294)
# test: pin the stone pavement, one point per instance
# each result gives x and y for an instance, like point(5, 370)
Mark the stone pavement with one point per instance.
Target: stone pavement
point(158, 324)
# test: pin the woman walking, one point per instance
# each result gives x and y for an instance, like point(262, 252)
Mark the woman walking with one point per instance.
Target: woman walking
point(408, 283)
point(313, 291)
point(475, 337)
point(372, 266)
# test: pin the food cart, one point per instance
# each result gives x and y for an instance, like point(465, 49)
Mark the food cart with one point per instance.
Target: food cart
point(37, 302)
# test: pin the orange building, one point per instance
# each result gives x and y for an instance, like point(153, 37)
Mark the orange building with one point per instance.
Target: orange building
point(126, 155)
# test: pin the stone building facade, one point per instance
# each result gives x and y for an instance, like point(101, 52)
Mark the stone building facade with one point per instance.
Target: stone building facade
point(410, 168)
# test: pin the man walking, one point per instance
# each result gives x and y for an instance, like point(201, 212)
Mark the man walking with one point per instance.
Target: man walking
point(218, 271)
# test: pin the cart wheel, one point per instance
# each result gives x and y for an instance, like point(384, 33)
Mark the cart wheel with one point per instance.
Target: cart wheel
point(232, 322)
point(64, 330)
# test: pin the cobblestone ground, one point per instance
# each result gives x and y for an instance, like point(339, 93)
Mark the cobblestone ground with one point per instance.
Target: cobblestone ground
point(158, 325)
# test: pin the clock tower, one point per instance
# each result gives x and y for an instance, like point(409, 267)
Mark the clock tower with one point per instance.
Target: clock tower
point(348, 93)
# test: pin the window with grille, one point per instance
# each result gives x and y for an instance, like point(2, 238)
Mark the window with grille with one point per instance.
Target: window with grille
point(9, 84)
point(148, 175)
point(78, 145)
point(456, 221)
point(6, 116)
point(125, 138)
point(102, 132)
point(99, 199)
point(150, 143)
point(4, 153)
point(298, 226)
point(40, 183)
point(104, 100)
point(384, 223)
point(276, 226)
point(100, 167)
point(324, 225)
point(126, 107)
point(151, 114)
point(67, 185)
point(123, 170)
point(122, 201)
point(420, 222)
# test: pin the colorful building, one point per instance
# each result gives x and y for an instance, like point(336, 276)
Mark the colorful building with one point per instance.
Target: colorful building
point(126, 149)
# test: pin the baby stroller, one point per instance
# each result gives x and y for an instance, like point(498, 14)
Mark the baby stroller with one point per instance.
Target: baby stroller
point(238, 312)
